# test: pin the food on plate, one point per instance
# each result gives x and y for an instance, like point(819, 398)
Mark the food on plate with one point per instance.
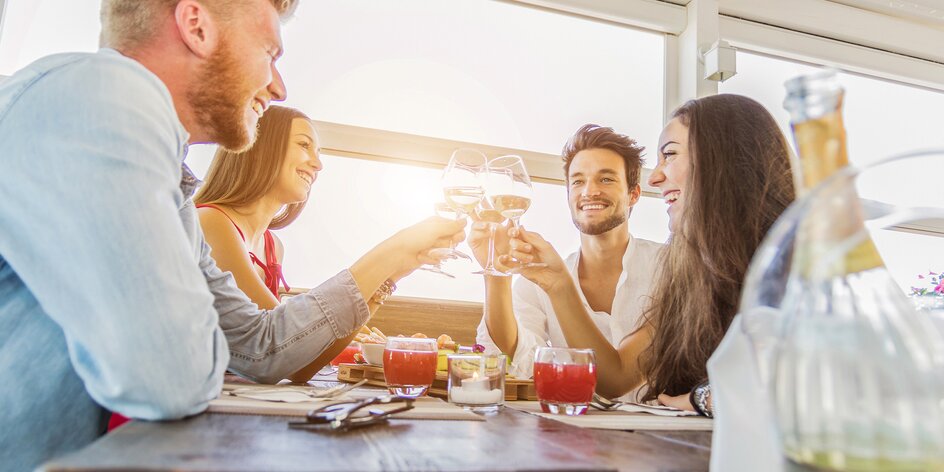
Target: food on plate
point(445, 343)
point(370, 336)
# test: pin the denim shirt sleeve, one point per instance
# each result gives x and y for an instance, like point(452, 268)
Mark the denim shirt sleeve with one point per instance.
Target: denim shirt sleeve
point(91, 167)
point(269, 345)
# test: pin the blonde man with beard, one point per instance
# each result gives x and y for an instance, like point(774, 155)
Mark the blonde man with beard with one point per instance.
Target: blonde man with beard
point(612, 270)
point(108, 295)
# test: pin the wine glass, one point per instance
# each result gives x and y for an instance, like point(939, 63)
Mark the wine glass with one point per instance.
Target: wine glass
point(487, 213)
point(462, 185)
point(509, 191)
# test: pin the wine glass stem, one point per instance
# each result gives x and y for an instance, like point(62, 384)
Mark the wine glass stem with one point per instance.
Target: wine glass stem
point(514, 224)
point(459, 215)
point(489, 265)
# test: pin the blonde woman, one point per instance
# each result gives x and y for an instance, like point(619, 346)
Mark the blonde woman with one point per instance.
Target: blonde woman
point(248, 194)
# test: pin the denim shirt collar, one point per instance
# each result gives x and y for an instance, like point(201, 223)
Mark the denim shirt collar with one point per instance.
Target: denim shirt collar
point(188, 182)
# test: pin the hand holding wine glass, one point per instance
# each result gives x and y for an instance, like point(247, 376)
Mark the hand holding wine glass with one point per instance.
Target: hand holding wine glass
point(421, 242)
point(443, 210)
point(536, 260)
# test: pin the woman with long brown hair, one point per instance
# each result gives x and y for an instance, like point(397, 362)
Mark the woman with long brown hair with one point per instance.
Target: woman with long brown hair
point(724, 171)
point(266, 187)
point(247, 194)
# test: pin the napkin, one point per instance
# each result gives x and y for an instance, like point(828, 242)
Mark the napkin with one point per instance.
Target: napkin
point(660, 410)
point(282, 395)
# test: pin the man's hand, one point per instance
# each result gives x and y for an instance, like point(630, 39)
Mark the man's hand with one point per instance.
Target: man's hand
point(527, 246)
point(478, 240)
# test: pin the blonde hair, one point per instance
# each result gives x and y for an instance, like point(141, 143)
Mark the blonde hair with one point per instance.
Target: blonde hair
point(127, 24)
point(239, 179)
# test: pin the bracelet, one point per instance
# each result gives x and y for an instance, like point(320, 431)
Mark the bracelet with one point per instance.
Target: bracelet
point(701, 398)
point(384, 292)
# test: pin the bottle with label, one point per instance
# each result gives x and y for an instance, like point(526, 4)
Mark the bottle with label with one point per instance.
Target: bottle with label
point(856, 379)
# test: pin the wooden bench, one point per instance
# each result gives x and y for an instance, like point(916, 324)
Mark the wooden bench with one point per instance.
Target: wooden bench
point(432, 317)
point(409, 315)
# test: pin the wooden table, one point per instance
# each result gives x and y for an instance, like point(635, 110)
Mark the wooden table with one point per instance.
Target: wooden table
point(510, 440)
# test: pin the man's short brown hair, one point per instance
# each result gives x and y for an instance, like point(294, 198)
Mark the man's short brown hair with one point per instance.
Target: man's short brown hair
point(591, 136)
point(127, 24)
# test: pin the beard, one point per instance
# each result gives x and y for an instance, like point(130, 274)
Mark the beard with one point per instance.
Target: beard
point(219, 100)
point(594, 229)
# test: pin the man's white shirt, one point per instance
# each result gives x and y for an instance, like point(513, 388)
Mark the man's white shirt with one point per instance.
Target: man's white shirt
point(537, 322)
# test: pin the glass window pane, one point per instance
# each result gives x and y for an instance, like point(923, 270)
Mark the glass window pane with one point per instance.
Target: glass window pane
point(473, 70)
point(882, 118)
point(908, 255)
point(34, 28)
point(356, 203)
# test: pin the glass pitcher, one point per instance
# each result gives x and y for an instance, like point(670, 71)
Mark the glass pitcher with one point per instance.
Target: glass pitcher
point(855, 372)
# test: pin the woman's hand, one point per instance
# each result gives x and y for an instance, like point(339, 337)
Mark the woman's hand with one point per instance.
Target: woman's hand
point(681, 402)
point(412, 244)
point(527, 246)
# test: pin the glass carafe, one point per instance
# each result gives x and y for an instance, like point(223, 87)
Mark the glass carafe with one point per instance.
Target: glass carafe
point(854, 372)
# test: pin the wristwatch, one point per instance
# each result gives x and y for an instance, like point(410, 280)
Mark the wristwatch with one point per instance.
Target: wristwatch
point(701, 399)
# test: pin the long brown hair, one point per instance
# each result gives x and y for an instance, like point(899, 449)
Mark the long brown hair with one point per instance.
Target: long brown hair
point(739, 183)
point(239, 179)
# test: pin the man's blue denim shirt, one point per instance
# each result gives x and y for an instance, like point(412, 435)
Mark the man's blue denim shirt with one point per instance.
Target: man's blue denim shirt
point(108, 294)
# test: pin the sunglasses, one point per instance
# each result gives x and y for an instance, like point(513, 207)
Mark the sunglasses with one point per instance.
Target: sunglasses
point(351, 415)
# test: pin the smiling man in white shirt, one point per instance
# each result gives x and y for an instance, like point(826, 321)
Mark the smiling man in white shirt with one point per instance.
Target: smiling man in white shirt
point(612, 272)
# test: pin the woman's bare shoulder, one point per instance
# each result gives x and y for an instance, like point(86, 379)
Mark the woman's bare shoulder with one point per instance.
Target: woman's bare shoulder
point(217, 225)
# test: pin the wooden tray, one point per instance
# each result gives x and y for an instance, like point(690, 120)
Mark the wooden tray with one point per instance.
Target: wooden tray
point(515, 389)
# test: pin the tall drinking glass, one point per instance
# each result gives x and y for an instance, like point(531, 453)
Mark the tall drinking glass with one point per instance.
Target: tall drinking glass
point(564, 379)
point(410, 365)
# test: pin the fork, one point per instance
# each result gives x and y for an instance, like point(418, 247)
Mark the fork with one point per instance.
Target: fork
point(332, 392)
point(604, 404)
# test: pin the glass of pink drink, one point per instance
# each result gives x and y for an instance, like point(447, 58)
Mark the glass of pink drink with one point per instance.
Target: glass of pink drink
point(564, 379)
point(410, 365)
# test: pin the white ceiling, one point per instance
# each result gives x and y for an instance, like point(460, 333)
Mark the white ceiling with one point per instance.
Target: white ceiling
point(928, 12)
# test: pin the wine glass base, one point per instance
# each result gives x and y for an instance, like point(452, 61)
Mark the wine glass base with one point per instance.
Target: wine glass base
point(491, 272)
point(436, 270)
point(447, 253)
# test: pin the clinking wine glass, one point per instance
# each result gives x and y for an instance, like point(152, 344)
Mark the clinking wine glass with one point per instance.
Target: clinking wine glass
point(509, 191)
point(462, 184)
point(485, 212)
